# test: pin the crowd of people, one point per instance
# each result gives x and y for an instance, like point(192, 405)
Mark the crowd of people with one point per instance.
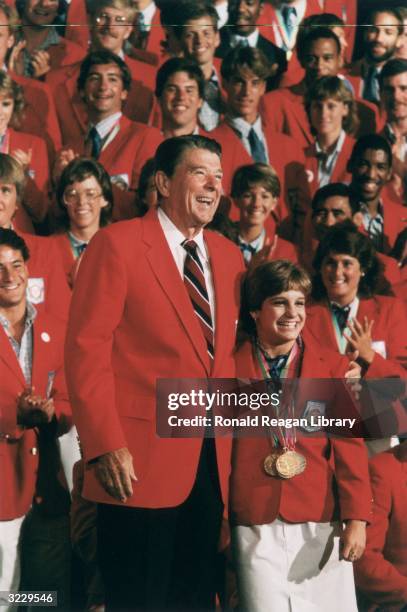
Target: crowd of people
point(202, 189)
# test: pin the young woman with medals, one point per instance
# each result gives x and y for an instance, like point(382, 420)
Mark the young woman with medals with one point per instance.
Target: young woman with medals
point(299, 503)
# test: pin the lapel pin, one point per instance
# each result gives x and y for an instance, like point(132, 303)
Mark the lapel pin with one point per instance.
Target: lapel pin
point(45, 337)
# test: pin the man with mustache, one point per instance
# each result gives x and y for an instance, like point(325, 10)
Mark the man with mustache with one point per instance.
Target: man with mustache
point(381, 39)
point(393, 87)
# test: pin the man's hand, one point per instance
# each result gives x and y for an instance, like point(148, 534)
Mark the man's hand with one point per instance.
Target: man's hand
point(34, 410)
point(115, 472)
point(353, 540)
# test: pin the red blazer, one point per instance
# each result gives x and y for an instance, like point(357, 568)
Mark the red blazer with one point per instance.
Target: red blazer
point(381, 574)
point(268, 16)
point(35, 201)
point(257, 498)
point(65, 252)
point(156, 35)
point(18, 446)
point(66, 52)
point(48, 289)
point(283, 110)
point(394, 221)
point(339, 174)
point(40, 117)
point(384, 311)
point(285, 156)
point(71, 109)
point(77, 28)
point(139, 320)
point(124, 157)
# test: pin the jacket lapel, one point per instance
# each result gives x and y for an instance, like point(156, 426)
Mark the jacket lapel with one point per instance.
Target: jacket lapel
point(163, 267)
point(9, 357)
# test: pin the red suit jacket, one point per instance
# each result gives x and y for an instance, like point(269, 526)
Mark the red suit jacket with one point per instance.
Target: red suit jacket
point(285, 156)
point(139, 320)
point(65, 251)
point(381, 574)
point(123, 158)
point(257, 498)
point(48, 289)
point(283, 110)
point(339, 174)
point(390, 329)
point(268, 16)
point(71, 109)
point(77, 28)
point(65, 53)
point(35, 201)
point(19, 446)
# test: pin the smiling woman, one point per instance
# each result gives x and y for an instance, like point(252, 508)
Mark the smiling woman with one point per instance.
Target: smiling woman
point(281, 545)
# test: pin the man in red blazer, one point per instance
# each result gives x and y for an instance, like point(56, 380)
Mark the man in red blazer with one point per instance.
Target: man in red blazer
point(371, 167)
point(33, 404)
point(160, 500)
point(320, 55)
point(110, 27)
point(381, 574)
point(120, 145)
point(244, 134)
point(39, 113)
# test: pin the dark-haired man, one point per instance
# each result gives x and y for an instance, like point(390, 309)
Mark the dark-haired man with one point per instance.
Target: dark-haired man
point(159, 500)
point(319, 53)
point(382, 32)
point(242, 30)
point(111, 24)
point(393, 87)
point(243, 133)
point(121, 146)
point(198, 35)
point(371, 167)
point(34, 409)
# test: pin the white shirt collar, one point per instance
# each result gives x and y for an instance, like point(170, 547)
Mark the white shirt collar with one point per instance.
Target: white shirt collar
point(252, 39)
point(106, 125)
point(299, 5)
point(148, 14)
point(244, 127)
point(175, 238)
point(222, 10)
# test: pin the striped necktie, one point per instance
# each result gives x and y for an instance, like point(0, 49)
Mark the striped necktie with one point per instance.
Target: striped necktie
point(194, 280)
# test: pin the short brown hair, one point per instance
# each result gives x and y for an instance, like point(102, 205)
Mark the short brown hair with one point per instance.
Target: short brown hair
point(245, 57)
point(264, 281)
point(334, 87)
point(13, 173)
point(255, 174)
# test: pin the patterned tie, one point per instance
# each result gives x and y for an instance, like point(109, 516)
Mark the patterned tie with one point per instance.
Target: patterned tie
point(96, 140)
point(371, 90)
point(257, 149)
point(289, 14)
point(140, 32)
point(341, 315)
point(194, 280)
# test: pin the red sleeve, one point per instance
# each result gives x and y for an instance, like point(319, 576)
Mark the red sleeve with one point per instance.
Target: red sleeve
point(379, 579)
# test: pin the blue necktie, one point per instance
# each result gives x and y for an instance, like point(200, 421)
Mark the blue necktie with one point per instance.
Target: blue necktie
point(257, 149)
point(371, 90)
point(96, 141)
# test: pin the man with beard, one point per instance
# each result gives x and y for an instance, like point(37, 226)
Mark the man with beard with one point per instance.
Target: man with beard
point(393, 88)
point(241, 29)
point(381, 39)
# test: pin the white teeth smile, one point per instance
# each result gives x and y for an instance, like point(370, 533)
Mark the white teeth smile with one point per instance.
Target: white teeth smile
point(9, 287)
point(204, 200)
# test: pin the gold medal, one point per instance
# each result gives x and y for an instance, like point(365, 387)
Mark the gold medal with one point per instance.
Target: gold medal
point(290, 464)
point(270, 464)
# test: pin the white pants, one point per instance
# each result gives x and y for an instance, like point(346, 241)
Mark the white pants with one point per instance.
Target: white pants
point(284, 567)
point(10, 557)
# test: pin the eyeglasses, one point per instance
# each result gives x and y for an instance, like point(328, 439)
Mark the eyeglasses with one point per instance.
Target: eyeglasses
point(71, 196)
point(104, 19)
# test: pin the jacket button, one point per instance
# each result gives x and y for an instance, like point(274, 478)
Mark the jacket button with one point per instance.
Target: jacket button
point(34, 450)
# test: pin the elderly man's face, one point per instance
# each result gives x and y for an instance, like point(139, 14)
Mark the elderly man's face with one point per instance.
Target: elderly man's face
point(192, 194)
